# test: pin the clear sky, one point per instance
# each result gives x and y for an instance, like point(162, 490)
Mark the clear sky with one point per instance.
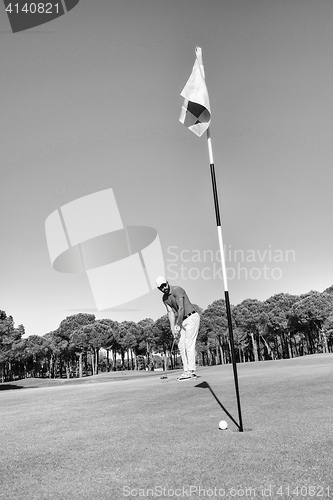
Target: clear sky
point(91, 101)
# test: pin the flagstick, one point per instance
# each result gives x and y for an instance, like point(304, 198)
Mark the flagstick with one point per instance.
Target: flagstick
point(224, 273)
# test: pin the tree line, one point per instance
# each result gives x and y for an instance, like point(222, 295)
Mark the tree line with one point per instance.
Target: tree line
point(283, 326)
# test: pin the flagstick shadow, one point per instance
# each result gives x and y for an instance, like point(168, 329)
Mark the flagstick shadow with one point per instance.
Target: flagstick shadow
point(205, 385)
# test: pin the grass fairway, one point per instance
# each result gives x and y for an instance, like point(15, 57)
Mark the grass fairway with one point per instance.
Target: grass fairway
point(125, 436)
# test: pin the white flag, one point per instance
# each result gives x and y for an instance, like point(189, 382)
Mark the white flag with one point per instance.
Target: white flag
point(195, 114)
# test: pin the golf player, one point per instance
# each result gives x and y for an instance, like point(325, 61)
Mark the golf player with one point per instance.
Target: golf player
point(184, 324)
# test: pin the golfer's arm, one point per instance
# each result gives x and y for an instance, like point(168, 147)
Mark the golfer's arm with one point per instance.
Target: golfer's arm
point(171, 316)
point(181, 311)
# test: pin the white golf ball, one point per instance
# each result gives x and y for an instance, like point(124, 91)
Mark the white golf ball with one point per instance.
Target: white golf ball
point(223, 425)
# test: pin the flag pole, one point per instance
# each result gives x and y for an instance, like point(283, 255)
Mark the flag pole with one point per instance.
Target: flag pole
point(224, 274)
point(196, 116)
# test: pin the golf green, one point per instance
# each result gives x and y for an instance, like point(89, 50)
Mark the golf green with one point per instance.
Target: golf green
point(135, 435)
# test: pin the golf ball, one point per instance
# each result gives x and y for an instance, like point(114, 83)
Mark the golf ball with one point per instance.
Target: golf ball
point(223, 425)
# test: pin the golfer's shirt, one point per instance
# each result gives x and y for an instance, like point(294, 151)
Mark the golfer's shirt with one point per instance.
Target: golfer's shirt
point(171, 300)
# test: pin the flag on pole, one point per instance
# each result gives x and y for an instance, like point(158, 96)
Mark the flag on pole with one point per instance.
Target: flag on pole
point(195, 114)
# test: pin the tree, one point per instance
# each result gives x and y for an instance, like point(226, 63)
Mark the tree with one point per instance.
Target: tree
point(163, 339)
point(250, 317)
point(9, 336)
point(278, 310)
point(109, 340)
point(34, 355)
point(65, 345)
point(128, 340)
point(308, 316)
point(328, 332)
point(54, 346)
point(213, 333)
point(146, 339)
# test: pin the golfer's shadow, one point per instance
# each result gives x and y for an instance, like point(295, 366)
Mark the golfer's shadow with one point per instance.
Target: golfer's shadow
point(205, 385)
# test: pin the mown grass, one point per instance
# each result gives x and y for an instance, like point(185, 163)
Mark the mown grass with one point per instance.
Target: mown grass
point(142, 437)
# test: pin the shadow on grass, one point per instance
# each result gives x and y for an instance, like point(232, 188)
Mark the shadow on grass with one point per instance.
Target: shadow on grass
point(205, 385)
point(8, 387)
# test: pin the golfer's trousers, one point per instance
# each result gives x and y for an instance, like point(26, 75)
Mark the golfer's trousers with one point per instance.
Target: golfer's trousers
point(188, 337)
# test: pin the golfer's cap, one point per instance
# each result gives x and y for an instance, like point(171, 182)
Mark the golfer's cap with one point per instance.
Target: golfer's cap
point(160, 280)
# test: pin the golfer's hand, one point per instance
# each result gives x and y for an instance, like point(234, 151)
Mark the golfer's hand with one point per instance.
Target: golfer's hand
point(176, 332)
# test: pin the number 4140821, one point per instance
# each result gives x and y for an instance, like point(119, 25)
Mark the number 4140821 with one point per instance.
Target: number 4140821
point(33, 8)
point(304, 491)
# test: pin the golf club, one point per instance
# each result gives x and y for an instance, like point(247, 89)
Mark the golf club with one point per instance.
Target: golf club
point(173, 343)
